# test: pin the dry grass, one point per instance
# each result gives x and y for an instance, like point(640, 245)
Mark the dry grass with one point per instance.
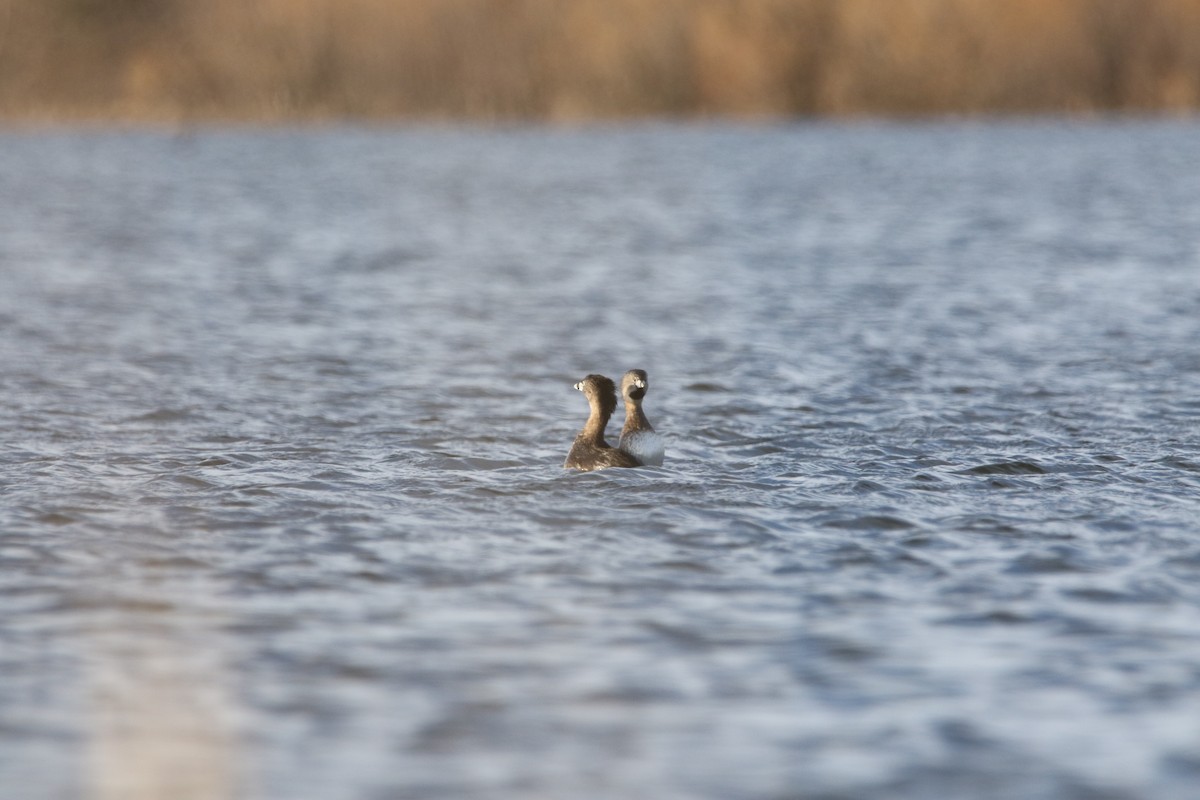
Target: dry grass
point(587, 59)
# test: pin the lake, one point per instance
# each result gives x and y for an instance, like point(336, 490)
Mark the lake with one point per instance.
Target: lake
point(283, 508)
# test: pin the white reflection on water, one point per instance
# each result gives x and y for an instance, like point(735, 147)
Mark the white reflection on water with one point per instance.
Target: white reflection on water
point(162, 721)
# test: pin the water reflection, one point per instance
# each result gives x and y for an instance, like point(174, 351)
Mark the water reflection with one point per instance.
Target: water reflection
point(285, 515)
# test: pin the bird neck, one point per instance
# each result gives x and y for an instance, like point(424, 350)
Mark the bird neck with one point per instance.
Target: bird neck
point(635, 418)
point(597, 421)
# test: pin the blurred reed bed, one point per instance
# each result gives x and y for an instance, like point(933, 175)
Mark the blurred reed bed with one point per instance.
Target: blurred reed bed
point(591, 59)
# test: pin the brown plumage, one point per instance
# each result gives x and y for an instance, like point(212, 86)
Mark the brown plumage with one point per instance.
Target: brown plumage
point(633, 388)
point(589, 450)
point(638, 438)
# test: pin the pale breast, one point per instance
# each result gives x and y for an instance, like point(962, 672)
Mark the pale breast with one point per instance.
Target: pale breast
point(646, 446)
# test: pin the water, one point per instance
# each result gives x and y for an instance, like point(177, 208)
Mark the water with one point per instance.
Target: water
point(282, 507)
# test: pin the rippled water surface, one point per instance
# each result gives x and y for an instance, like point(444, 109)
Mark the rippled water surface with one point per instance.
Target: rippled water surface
point(283, 513)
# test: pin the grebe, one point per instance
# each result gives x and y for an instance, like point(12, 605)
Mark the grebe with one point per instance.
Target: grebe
point(638, 438)
point(590, 451)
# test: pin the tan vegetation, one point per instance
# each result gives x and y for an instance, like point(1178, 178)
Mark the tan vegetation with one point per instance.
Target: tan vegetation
point(586, 59)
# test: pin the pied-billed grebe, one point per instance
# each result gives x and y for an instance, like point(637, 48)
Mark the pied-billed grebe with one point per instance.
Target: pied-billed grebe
point(637, 436)
point(590, 451)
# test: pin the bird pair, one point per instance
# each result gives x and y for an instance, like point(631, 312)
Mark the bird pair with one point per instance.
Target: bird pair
point(639, 444)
